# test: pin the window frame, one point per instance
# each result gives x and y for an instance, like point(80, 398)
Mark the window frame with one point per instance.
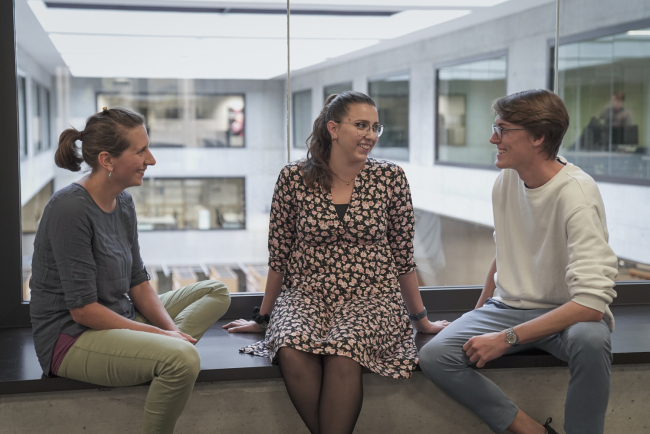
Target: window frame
point(585, 36)
point(456, 62)
point(13, 311)
point(242, 94)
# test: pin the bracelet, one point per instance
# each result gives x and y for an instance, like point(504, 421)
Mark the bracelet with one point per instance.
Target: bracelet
point(418, 316)
point(261, 320)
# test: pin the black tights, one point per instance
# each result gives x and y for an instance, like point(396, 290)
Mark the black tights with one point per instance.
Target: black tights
point(327, 391)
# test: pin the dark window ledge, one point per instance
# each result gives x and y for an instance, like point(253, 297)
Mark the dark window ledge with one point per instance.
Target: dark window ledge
point(222, 361)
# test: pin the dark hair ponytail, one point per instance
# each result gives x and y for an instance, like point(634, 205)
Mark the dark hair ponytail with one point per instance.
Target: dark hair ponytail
point(105, 131)
point(67, 155)
point(316, 167)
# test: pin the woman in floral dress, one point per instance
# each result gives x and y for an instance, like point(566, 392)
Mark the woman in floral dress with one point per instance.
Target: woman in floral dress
point(341, 273)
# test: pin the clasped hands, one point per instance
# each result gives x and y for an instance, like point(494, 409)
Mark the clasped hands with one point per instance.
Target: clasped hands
point(481, 349)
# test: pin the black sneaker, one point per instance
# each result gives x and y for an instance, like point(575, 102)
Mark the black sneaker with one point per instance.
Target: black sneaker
point(547, 425)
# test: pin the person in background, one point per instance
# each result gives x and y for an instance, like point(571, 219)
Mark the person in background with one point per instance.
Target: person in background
point(342, 279)
point(94, 314)
point(615, 114)
point(551, 281)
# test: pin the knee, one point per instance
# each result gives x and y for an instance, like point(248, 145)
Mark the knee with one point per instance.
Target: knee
point(184, 361)
point(218, 289)
point(588, 340)
point(434, 356)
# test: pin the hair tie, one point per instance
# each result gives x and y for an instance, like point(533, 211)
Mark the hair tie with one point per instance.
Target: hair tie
point(80, 135)
point(104, 110)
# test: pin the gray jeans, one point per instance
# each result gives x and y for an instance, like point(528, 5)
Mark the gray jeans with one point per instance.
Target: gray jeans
point(585, 346)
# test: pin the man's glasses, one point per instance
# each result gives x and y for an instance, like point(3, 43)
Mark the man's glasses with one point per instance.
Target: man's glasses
point(499, 131)
point(363, 128)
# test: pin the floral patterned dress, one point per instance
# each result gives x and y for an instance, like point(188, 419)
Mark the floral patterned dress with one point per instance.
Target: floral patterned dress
point(340, 294)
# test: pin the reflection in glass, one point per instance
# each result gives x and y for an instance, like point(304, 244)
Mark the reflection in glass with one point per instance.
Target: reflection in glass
point(167, 204)
point(465, 96)
point(302, 121)
point(604, 84)
point(391, 95)
point(185, 120)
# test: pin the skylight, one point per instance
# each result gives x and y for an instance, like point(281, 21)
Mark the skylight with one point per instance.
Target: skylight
point(146, 44)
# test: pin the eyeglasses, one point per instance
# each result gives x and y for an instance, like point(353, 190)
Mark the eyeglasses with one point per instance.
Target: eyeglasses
point(363, 128)
point(499, 131)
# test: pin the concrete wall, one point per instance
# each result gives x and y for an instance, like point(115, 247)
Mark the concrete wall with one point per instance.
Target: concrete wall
point(390, 406)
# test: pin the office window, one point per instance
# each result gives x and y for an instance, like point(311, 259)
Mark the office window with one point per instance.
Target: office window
point(47, 118)
point(391, 95)
point(302, 120)
point(37, 117)
point(465, 93)
point(180, 119)
point(22, 116)
point(605, 84)
point(195, 203)
point(335, 89)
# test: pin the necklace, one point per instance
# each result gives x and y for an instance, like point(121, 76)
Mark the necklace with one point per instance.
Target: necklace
point(346, 182)
point(355, 176)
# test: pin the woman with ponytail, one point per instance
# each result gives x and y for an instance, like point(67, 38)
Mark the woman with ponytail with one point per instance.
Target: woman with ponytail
point(95, 316)
point(342, 279)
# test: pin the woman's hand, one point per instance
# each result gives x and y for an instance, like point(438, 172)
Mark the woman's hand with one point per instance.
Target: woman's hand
point(179, 335)
point(426, 326)
point(243, 326)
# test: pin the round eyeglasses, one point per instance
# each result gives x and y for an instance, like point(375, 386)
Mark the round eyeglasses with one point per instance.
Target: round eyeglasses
point(363, 128)
point(499, 131)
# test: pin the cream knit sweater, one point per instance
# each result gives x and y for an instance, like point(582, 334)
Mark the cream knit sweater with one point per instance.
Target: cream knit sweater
point(552, 243)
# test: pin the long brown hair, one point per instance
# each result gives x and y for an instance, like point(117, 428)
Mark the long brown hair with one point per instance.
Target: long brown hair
point(315, 166)
point(104, 131)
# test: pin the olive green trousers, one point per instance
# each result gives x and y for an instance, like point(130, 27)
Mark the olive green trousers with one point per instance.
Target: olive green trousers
point(126, 357)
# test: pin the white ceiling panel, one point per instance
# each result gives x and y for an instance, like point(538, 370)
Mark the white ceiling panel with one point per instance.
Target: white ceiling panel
point(120, 43)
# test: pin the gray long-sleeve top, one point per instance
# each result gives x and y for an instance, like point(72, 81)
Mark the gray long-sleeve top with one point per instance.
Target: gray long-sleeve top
point(81, 255)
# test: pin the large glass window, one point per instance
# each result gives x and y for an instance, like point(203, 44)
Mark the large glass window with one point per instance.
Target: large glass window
point(302, 119)
point(186, 120)
point(605, 84)
point(335, 89)
point(465, 95)
point(166, 204)
point(212, 83)
point(391, 95)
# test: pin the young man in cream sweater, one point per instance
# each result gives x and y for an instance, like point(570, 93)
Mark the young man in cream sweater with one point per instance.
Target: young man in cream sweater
point(551, 280)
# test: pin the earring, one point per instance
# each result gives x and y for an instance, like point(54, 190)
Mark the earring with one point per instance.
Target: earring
point(110, 175)
point(334, 138)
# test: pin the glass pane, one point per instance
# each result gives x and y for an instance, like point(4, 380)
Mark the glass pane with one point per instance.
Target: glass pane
point(22, 116)
point(465, 95)
point(604, 84)
point(335, 89)
point(212, 88)
point(46, 118)
point(392, 98)
point(168, 204)
point(186, 119)
point(37, 123)
point(301, 119)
